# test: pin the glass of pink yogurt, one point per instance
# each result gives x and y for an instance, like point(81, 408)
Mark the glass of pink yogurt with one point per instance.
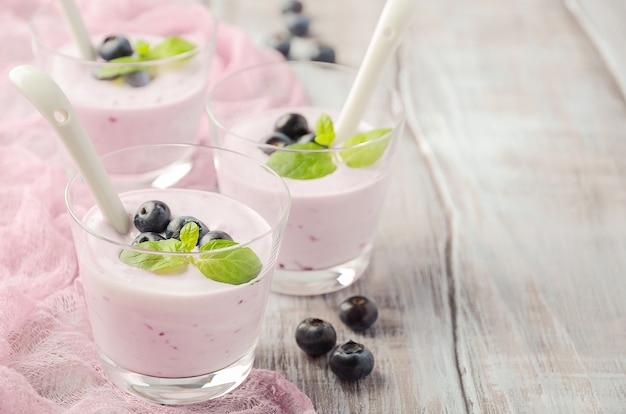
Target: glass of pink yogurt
point(152, 96)
point(179, 325)
point(338, 186)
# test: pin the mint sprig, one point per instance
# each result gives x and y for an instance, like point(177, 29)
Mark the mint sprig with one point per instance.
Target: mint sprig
point(235, 266)
point(324, 130)
point(144, 52)
point(170, 46)
point(303, 165)
point(156, 262)
point(366, 155)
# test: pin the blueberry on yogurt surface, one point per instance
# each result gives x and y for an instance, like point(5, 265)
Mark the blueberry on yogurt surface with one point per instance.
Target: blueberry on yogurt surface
point(152, 216)
point(278, 140)
point(214, 235)
point(293, 125)
point(138, 78)
point(115, 46)
point(176, 225)
point(147, 236)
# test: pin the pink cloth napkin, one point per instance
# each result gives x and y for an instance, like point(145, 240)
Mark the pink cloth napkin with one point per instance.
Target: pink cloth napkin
point(48, 362)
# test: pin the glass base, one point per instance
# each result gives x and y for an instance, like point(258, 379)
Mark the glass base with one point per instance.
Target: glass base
point(320, 281)
point(176, 391)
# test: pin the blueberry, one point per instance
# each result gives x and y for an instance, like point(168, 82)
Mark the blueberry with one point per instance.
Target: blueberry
point(147, 236)
point(115, 46)
point(152, 216)
point(351, 361)
point(137, 78)
point(315, 336)
point(358, 312)
point(324, 54)
point(297, 24)
point(278, 140)
point(176, 224)
point(292, 6)
point(214, 235)
point(280, 42)
point(293, 125)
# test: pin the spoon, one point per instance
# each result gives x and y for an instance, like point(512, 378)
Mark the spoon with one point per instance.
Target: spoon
point(390, 29)
point(74, 22)
point(51, 102)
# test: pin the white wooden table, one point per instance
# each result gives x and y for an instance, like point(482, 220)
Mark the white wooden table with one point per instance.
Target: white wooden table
point(500, 267)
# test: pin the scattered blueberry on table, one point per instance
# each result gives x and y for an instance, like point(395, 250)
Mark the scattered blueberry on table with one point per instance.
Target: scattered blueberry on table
point(315, 336)
point(358, 312)
point(350, 361)
point(298, 27)
point(292, 6)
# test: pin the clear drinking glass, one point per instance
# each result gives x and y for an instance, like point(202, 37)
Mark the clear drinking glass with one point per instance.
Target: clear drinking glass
point(331, 229)
point(122, 104)
point(181, 325)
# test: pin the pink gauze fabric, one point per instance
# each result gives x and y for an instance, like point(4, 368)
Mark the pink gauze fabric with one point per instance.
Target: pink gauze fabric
point(48, 363)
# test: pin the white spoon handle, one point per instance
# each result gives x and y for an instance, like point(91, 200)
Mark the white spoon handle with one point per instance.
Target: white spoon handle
point(75, 25)
point(52, 103)
point(394, 20)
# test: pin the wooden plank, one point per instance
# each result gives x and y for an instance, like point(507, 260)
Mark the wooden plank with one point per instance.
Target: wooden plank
point(603, 23)
point(528, 130)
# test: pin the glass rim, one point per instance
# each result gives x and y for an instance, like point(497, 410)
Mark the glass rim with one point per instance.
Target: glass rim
point(209, 102)
point(281, 222)
point(41, 44)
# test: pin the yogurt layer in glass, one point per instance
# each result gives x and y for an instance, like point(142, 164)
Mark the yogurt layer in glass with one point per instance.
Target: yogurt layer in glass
point(166, 109)
point(333, 221)
point(177, 335)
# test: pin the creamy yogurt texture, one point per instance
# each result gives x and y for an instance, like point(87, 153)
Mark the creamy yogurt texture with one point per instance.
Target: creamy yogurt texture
point(332, 219)
point(175, 325)
point(116, 115)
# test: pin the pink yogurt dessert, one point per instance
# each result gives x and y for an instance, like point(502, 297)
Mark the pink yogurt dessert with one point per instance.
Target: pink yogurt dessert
point(333, 219)
point(181, 324)
point(167, 109)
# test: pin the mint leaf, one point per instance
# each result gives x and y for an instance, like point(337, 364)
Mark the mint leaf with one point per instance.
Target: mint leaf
point(324, 130)
point(156, 262)
point(366, 155)
point(107, 72)
point(300, 165)
point(189, 236)
point(236, 266)
point(142, 48)
point(170, 46)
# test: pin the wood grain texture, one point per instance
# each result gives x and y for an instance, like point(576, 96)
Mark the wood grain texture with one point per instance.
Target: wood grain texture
point(499, 267)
